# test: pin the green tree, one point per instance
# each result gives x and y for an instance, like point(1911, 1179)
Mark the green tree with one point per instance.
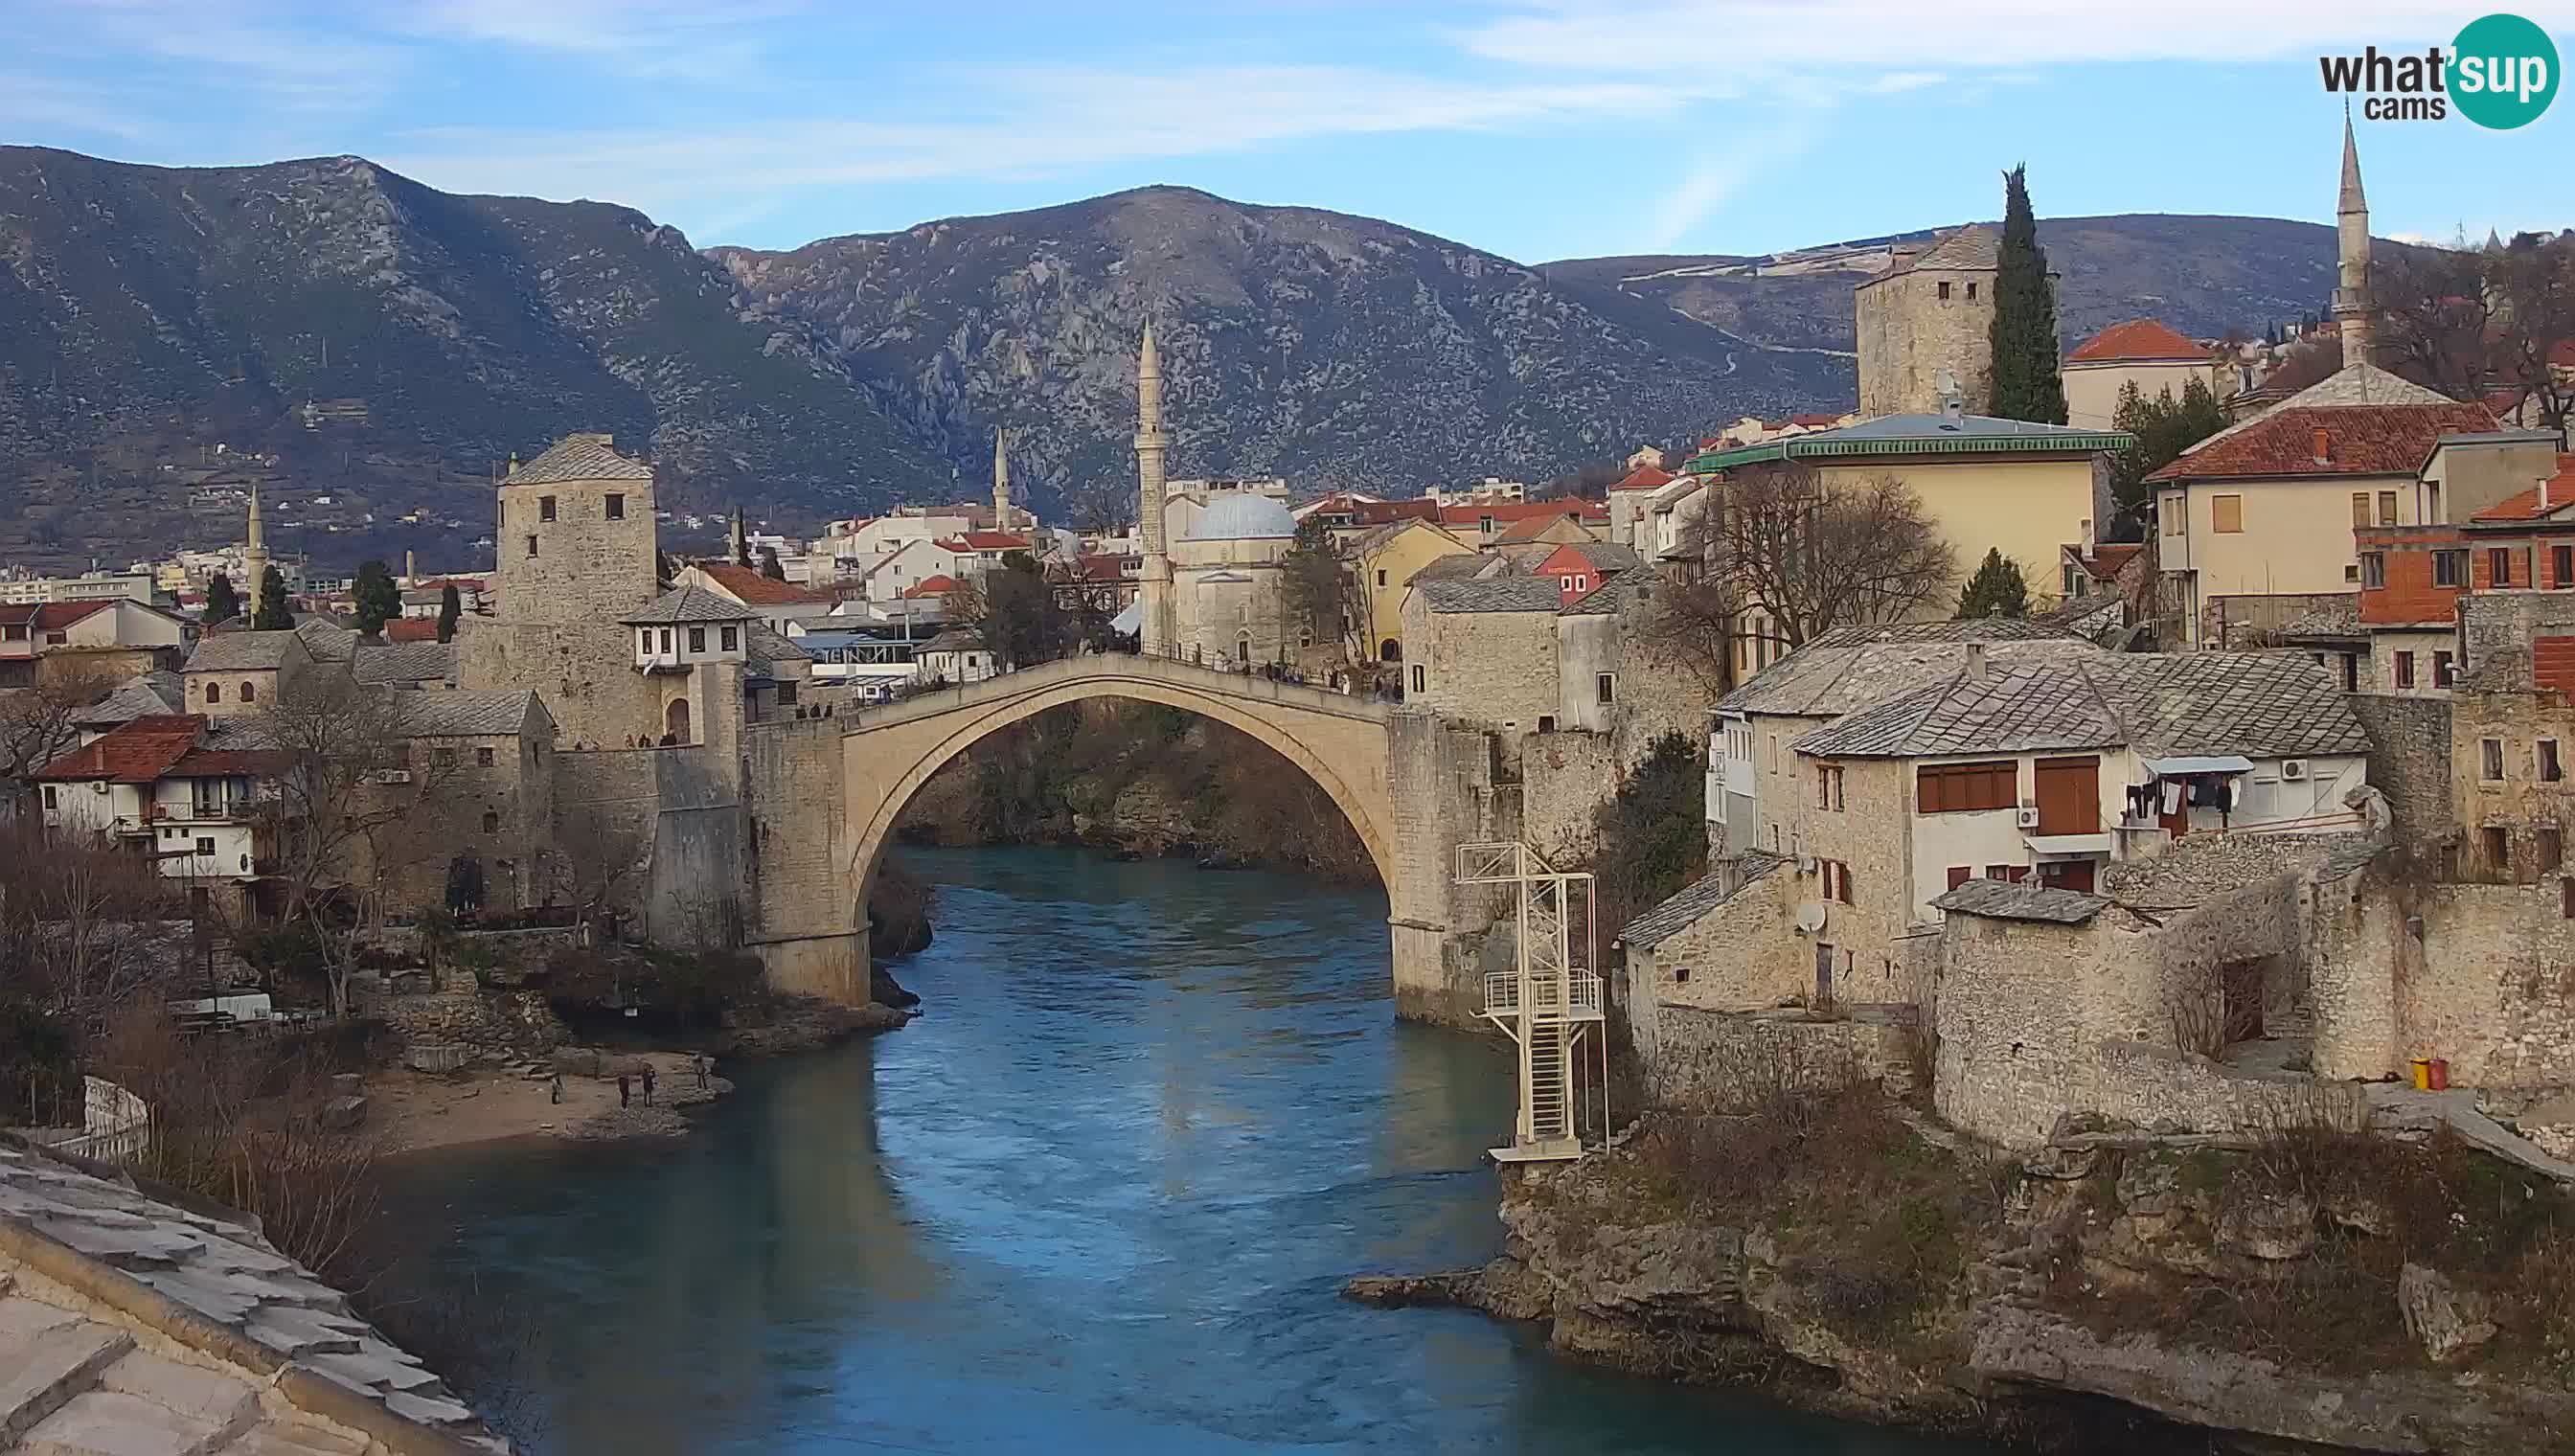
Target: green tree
point(379, 599)
point(1651, 838)
point(1996, 589)
point(272, 615)
point(451, 606)
point(1316, 586)
point(2026, 384)
point(2164, 427)
point(223, 603)
point(768, 565)
point(1022, 622)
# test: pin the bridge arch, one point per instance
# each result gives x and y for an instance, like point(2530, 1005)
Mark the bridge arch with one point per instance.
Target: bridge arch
point(1337, 741)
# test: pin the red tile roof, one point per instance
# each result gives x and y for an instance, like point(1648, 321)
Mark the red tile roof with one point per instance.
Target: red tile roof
point(2136, 339)
point(220, 762)
point(938, 585)
point(1530, 527)
point(56, 614)
point(1646, 478)
point(751, 589)
point(1516, 510)
point(994, 540)
point(2559, 491)
point(2359, 440)
point(135, 752)
point(1379, 513)
point(412, 629)
point(1101, 567)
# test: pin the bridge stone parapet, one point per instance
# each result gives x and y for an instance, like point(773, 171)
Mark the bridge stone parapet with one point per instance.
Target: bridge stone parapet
point(1410, 785)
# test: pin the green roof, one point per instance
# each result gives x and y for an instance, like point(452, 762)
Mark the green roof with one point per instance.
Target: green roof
point(1904, 435)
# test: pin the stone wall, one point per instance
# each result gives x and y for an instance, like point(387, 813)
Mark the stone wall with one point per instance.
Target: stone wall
point(605, 811)
point(1445, 789)
point(2409, 760)
point(1714, 1060)
point(1565, 777)
point(806, 890)
point(584, 671)
point(507, 1023)
point(1907, 334)
point(2159, 1087)
point(1495, 669)
point(2530, 731)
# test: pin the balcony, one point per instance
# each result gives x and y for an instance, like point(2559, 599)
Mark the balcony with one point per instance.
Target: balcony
point(1574, 999)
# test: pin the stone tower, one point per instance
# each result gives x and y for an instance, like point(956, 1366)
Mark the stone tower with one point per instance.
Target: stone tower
point(1000, 482)
point(254, 558)
point(1930, 310)
point(2354, 310)
point(1154, 588)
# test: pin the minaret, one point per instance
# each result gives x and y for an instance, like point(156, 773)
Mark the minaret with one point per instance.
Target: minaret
point(1001, 484)
point(254, 558)
point(1155, 591)
point(739, 544)
point(2352, 309)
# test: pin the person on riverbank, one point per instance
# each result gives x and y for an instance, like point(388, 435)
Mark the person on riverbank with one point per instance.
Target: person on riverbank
point(648, 1084)
point(625, 1094)
point(554, 1093)
point(698, 1064)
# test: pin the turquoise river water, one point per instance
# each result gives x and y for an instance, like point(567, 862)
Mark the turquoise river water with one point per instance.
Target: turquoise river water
point(1098, 1199)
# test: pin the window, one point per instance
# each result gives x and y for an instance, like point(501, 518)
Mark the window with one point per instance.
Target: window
point(1836, 879)
point(2374, 569)
point(491, 822)
point(1605, 687)
point(666, 639)
point(2499, 567)
point(1944, 292)
point(2172, 512)
point(531, 545)
point(2552, 850)
point(545, 508)
point(731, 637)
point(2490, 759)
point(214, 692)
point(2449, 568)
point(1828, 786)
point(2566, 899)
point(2442, 670)
point(1546, 723)
point(442, 758)
point(2351, 572)
point(697, 639)
point(2404, 670)
point(2360, 508)
point(616, 507)
point(2226, 515)
point(2550, 771)
point(2561, 567)
point(2387, 508)
point(2432, 505)
point(205, 845)
point(644, 640)
point(1420, 679)
point(1971, 293)
point(485, 759)
point(2498, 848)
point(1380, 576)
point(1960, 787)
point(249, 692)
point(1959, 875)
point(786, 694)
point(1680, 973)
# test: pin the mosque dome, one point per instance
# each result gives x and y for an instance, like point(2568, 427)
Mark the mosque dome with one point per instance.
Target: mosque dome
point(1244, 517)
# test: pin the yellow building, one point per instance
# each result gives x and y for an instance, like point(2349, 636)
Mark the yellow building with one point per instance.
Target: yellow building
point(1987, 483)
point(2140, 351)
point(1385, 560)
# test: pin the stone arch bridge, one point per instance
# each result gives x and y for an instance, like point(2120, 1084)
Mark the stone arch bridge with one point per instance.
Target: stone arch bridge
point(1411, 786)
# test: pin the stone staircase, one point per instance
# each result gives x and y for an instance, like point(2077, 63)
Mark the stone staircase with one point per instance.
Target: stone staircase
point(71, 1386)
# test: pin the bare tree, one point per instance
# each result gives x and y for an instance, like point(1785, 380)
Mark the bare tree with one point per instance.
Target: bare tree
point(39, 722)
point(1104, 505)
point(601, 853)
point(2310, 361)
point(2440, 320)
point(1812, 555)
point(83, 926)
point(2537, 282)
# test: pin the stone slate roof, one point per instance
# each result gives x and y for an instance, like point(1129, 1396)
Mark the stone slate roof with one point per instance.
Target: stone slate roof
point(153, 1271)
point(1684, 909)
point(1615, 594)
point(1850, 667)
point(146, 695)
point(579, 457)
point(1493, 594)
point(2258, 704)
point(1976, 245)
point(474, 714)
point(328, 640)
point(244, 651)
point(690, 603)
point(1463, 566)
point(411, 661)
point(766, 649)
point(2025, 902)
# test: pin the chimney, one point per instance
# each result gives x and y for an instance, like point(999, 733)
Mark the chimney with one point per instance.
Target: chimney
point(2088, 542)
point(2324, 447)
point(1975, 661)
point(411, 566)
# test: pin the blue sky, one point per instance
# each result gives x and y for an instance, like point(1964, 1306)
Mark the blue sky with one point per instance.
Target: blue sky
point(1538, 129)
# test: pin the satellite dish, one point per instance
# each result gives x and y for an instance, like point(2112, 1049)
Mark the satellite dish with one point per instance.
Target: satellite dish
point(1946, 382)
point(1810, 918)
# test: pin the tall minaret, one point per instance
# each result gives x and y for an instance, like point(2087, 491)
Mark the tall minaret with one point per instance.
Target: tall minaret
point(2352, 309)
point(1155, 589)
point(1001, 483)
point(254, 558)
point(736, 541)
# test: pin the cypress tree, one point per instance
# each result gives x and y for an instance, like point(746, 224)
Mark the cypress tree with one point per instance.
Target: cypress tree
point(379, 601)
point(2026, 383)
point(451, 606)
point(223, 603)
point(273, 614)
point(1996, 589)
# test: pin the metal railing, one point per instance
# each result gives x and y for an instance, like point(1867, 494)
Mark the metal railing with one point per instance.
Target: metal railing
point(1574, 999)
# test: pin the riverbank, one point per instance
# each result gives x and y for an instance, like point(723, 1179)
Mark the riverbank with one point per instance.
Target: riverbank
point(2309, 1291)
point(412, 1111)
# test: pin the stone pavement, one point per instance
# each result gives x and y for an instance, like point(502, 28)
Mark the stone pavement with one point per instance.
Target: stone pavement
point(2396, 1108)
point(133, 1326)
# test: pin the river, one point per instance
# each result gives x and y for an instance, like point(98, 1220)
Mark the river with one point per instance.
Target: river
point(1098, 1199)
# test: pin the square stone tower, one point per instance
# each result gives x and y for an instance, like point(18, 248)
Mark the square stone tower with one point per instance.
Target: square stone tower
point(1928, 312)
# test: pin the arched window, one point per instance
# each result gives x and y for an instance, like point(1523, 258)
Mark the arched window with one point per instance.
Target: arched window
point(491, 822)
point(250, 691)
point(214, 692)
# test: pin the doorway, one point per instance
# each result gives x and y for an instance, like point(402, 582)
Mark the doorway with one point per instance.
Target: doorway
point(1823, 977)
point(675, 721)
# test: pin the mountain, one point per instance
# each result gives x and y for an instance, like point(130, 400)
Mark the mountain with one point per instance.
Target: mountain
point(1338, 351)
point(149, 315)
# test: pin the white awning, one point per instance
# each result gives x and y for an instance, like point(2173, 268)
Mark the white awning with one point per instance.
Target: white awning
point(2214, 763)
point(1125, 623)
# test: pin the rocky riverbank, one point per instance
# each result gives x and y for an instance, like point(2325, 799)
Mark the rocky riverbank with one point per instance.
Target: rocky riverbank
point(2308, 1292)
point(1138, 780)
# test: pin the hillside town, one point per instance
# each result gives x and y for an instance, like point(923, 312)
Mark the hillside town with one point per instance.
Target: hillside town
point(2163, 744)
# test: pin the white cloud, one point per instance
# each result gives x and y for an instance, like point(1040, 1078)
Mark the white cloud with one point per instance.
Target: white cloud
point(1718, 177)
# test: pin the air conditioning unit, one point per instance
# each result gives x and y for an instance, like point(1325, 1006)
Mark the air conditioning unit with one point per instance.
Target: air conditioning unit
point(2028, 819)
point(1806, 864)
point(390, 775)
point(2293, 769)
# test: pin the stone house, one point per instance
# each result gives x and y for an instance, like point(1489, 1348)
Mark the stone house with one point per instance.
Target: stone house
point(1628, 497)
point(1483, 650)
point(480, 833)
point(1384, 559)
point(955, 658)
point(236, 674)
point(1927, 322)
